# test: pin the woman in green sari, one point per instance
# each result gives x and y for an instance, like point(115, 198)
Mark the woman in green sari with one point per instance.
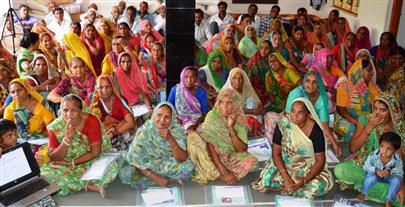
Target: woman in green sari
point(298, 167)
point(386, 117)
point(76, 139)
point(29, 44)
point(248, 45)
point(219, 146)
point(158, 152)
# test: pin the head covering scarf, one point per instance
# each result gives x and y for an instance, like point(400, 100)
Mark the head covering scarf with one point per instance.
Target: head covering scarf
point(77, 49)
point(51, 54)
point(364, 43)
point(96, 99)
point(319, 65)
point(97, 42)
point(355, 75)
point(281, 30)
point(59, 125)
point(149, 150)
point(132, 84)
point(247, 91)
point(156, 34)
point(345, 56)
point(246, 45)
point(107, 37)
point(321, 88)
point(215, 129)
point(313, 38)
point(366, 52)
point(214, 54)
point(395, 113)
point(258, 64)
point(5, 65)
point(187, 105)
point(341, 36)
point(230, 60)
point(311, 109)
point(48, 65)
point(32, 92)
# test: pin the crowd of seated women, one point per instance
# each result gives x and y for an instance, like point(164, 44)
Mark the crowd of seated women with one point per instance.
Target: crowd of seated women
point(305, 84)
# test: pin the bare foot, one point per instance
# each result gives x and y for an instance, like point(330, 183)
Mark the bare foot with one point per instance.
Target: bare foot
point(388, 204)
point(97, 188)
point(361, 197)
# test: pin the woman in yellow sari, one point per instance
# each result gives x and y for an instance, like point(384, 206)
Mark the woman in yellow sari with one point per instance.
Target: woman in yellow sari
point(76, 48)
point(27, 111)
point(276, 25)
point(107, 32)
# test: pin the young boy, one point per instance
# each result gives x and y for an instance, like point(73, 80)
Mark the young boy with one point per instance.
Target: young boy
point(384, 165)
point(8, 135)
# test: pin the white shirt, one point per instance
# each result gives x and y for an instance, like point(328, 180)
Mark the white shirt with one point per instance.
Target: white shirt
point(160, 23)
point(50, 17)
point(222, 23)
point(119, 20)
point(202, 32)
point(256, 23)
point(59, 29)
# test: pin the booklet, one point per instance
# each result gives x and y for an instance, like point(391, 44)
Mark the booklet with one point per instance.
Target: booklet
point(139, 110)
point(99, 167)
point(229, 195)
point(331, 157)
point(43, 141)
point(289, 201)
point(342, 202)
point(157, 196)
point(260, 148)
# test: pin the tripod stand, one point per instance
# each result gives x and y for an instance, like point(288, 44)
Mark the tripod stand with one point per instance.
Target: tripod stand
point(10, 14)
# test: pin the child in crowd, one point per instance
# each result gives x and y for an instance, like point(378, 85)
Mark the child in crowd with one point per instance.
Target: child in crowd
point(384, 165)
point(8, 135)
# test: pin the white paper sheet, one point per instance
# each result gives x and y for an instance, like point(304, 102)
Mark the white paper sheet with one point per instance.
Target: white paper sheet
point(230, 191)
point(331, 157)
point(139, 110)
point(39, 141)
point(157, 196)
point(98, 168)
point(288, 201)
point(260, 148)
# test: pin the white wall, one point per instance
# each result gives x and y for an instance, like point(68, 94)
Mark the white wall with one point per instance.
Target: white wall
point(401, 29)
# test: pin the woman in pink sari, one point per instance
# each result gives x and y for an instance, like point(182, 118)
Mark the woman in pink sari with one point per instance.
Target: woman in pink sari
point(146, 28)
point(95, 45)
point(330, 73)
point(215, 41)
point(345, 52)
point(131, 81)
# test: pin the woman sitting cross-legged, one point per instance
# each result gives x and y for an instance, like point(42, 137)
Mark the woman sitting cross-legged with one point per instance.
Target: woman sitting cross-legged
point(189, 99)
point(158, 152)
point(386, 117)
point(76, 139)
point(219, 146)
point(298, 167)
point(115, 114)
point(252, 106)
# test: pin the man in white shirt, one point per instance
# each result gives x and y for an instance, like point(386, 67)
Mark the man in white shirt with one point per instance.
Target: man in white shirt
point(252, 11)
point(160, 19)
point(202, 31)
point(220, 20)
point(115, 15)
point(60, 26)
point(50, 17)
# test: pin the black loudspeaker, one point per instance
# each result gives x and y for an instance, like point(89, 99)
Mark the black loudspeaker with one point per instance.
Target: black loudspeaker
point(179, 39)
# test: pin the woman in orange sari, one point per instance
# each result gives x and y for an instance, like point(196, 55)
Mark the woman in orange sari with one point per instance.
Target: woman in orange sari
point(232, 55)
point(318, 35)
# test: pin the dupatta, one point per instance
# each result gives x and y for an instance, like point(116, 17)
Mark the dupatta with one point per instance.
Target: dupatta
point(246, 45)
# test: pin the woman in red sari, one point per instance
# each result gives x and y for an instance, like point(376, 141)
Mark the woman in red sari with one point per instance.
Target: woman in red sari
point(125, 31)
point(95, 45)
point(363, 38)
point(345, 52)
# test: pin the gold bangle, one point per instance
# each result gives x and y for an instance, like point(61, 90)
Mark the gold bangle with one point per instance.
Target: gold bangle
point(73, 162)
point(282, 170)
